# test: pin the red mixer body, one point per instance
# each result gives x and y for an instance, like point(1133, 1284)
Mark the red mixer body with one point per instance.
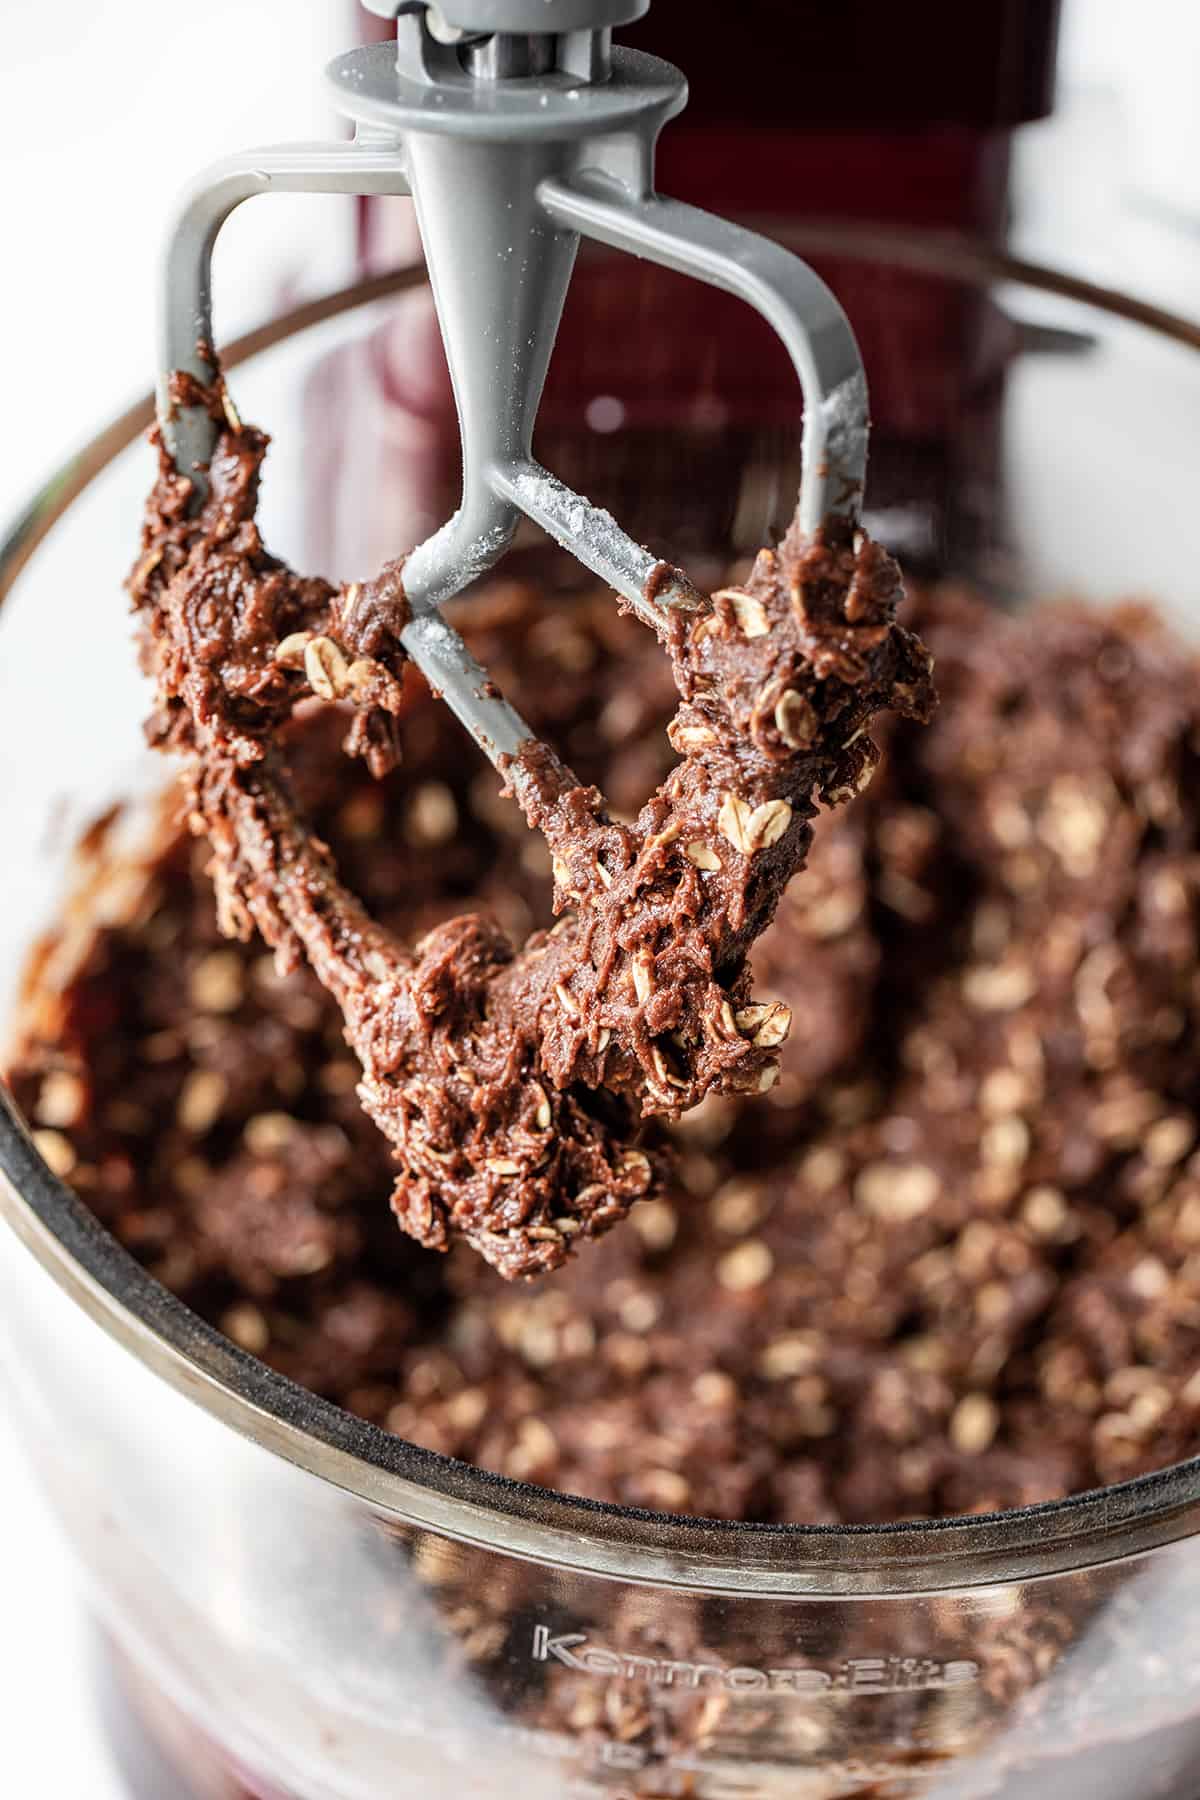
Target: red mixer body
point(860, 111)
point(798, 114)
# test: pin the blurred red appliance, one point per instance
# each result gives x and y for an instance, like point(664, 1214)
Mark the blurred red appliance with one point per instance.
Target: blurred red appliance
point(860, 110)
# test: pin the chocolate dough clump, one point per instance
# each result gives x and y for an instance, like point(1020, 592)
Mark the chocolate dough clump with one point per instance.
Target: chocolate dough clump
point(949, 1262)
point(511, 1081)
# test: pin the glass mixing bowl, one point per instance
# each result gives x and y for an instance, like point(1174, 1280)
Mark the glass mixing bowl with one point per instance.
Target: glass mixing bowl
point(298, 1604)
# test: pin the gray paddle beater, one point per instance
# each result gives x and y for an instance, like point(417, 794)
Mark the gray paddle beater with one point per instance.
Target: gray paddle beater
point(517, 128)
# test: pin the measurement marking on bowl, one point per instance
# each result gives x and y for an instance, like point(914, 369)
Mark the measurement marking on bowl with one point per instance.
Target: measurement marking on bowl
point(852, 1674)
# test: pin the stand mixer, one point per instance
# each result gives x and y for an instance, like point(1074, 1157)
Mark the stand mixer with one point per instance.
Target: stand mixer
point(518, 129)
point(290, 1578)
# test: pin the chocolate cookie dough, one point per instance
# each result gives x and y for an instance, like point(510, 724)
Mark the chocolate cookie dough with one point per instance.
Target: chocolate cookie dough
point(949, 1262)
point(511, 1081)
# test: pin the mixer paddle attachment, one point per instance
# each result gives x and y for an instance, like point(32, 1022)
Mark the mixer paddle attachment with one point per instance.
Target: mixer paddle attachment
point(513, 144)
point(511, 1083)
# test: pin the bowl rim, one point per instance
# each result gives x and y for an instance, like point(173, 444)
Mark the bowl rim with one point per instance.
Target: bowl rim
point(400, 1480)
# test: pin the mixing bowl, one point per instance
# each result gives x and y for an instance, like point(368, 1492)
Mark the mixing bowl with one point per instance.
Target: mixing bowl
point(297, 1604)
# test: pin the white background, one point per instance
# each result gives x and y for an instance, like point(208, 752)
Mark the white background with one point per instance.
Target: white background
point(101, 121)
